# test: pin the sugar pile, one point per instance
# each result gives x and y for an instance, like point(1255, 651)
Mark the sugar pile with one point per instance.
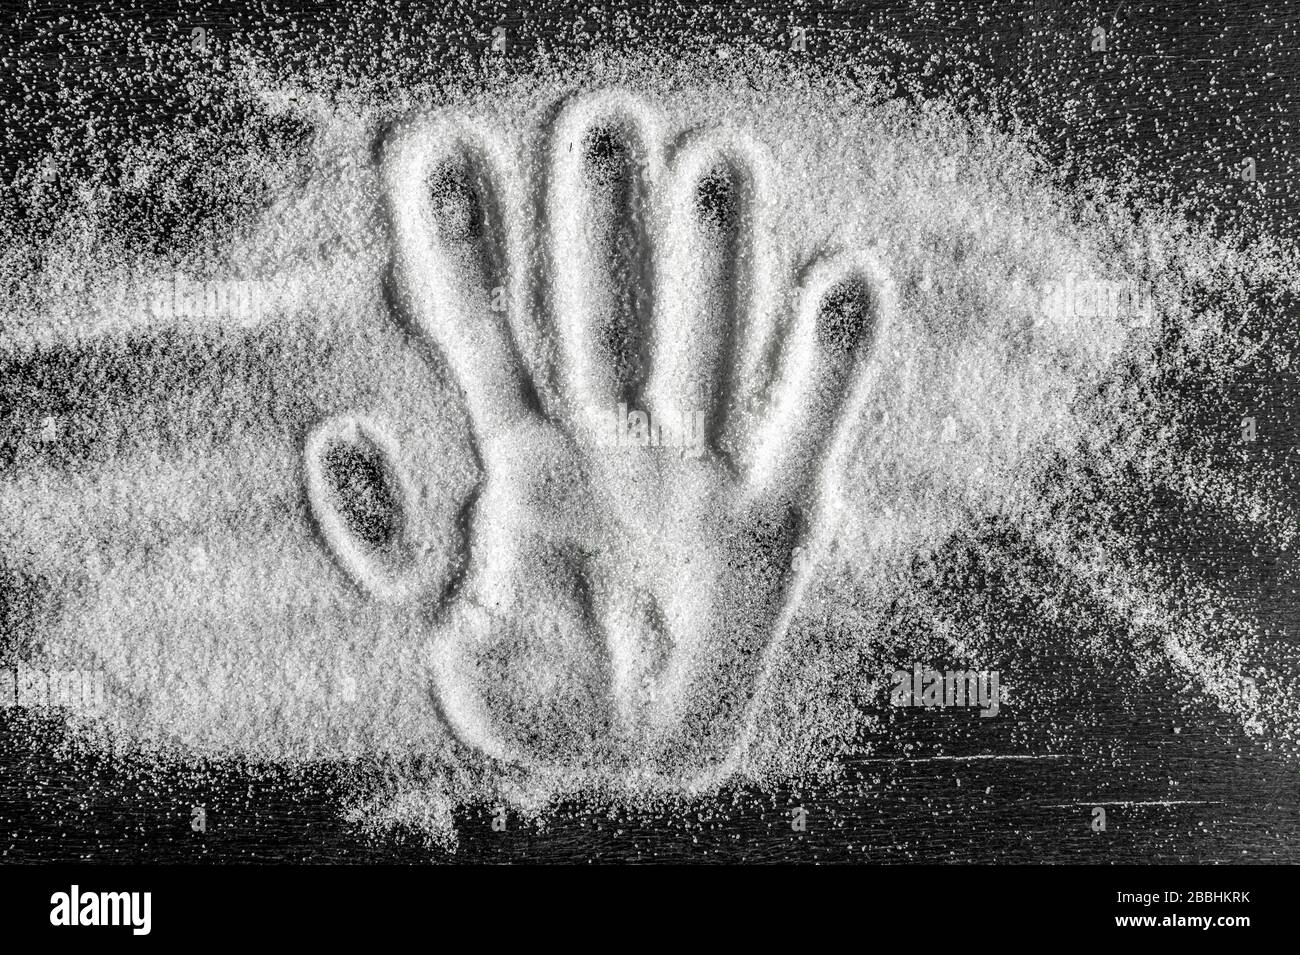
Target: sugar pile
point(336, 356)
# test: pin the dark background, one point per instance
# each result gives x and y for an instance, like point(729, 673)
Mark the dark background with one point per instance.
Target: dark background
point(1184, 91)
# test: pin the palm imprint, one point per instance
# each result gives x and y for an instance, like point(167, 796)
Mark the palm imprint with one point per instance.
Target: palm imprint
point(654, 413)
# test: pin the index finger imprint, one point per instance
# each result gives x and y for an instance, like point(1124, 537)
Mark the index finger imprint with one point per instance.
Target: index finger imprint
point(451, 194)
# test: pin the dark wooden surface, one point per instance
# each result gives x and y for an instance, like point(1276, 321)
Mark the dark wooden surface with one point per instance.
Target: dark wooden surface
point(1185, 90)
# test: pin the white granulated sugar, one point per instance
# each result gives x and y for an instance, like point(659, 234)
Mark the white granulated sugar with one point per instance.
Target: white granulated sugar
point(398, 511)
